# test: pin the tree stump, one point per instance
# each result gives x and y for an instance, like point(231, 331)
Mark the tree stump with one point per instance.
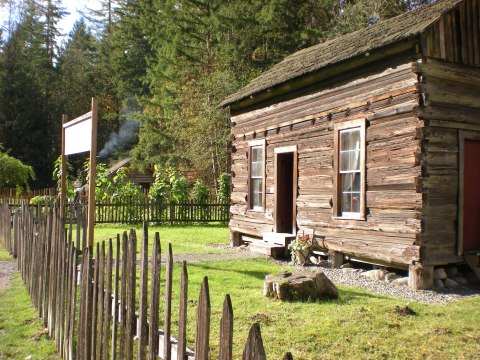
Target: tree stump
point(299, 286)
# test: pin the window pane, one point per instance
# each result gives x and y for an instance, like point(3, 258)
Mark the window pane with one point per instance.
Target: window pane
point(257, 200)
point(344, 161)
point(344, 140)
point(354, 140)
point(357, 182)
point(257, 185)
point(257, 169)
point(257, 154)
point(346, 202)
point(355, 160)
point(356, 202)
point(346, 182)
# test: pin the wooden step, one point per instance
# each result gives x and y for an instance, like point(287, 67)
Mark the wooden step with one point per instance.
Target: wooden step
point(262, 247)
point(473, 261)
point(278, 238)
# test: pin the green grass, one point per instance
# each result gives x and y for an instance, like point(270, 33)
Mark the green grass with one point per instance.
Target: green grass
point(21, 332)
point(359, 325)
point(184, 239)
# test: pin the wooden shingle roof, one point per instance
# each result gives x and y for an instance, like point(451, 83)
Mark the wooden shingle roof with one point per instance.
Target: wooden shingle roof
point(345, 47)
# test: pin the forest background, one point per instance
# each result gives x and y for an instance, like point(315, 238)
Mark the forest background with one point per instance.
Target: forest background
point(159, 69)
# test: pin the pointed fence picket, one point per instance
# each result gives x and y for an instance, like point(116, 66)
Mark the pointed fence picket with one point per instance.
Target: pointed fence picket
point(88, 299)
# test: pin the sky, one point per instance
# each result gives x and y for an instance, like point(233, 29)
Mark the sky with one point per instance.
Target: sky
point(72, 6)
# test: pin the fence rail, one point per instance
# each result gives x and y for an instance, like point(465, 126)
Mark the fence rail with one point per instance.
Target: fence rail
point(88, 299)
point(137, 211)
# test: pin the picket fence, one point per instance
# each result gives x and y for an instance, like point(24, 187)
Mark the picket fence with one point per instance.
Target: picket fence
point(88, 301)
point(138, 210)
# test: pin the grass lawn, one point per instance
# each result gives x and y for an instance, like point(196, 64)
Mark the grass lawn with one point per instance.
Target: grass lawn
point(185, 239)
point(21, 332)
point(359, 325)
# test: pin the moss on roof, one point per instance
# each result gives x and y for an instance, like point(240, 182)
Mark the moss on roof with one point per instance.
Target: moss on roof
point(345, 47)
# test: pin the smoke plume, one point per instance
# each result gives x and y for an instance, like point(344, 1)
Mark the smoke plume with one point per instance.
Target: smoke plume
point(125, 134)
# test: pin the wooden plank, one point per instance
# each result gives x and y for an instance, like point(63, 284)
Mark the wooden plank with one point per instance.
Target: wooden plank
point(123, 296)
point(107, 303)
point(100, 302)
point(167, 345)
point(154, 299)
point(93, 330)
point(73, 308)
point(116, 298)
point(143, 325)
point(254, 346)
point(226, 330)
point(131, 290)
point(202, 333)
point(182, 316)
point(87, 325)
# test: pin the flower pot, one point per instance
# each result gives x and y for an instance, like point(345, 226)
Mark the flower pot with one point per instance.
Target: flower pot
point(301, 257)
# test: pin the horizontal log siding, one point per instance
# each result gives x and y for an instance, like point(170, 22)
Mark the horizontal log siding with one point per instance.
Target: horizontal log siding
point(387, 99)
point(444, 115)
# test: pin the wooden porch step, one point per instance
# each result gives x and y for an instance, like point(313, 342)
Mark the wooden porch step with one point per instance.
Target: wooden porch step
point(473, 261)
point(262, 247)
point(278, 238)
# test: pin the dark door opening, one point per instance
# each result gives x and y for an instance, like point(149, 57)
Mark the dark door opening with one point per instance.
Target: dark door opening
point(471, 196)
point(285, 201)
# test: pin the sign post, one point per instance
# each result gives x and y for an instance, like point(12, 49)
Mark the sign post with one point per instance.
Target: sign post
point(63, 170)
point(80, 135)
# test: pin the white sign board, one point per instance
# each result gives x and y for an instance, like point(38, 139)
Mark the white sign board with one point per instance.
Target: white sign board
point(78, 134)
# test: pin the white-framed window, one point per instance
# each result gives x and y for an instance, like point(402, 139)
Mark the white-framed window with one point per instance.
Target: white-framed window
point(256, 178)
point(349, 199)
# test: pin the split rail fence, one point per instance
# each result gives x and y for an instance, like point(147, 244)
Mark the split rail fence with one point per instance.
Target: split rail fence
point(92, 304)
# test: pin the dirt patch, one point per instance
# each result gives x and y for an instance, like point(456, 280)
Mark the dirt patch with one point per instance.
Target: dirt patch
point(6, 271)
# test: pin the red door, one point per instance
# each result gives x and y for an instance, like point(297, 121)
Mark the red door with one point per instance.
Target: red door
point(471, 195)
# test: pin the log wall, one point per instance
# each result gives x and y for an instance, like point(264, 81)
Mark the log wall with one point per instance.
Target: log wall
point(455, 37)
point(387, 97)
point(451, 108)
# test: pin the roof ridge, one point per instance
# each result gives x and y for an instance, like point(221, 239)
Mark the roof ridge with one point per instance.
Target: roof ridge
point(316, 57)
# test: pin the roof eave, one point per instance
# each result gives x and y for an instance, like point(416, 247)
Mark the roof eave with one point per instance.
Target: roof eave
point(321, 75)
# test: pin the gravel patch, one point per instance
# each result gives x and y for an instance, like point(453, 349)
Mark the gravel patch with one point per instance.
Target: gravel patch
point(213, 257)
point(354, 279)
point(6, 270)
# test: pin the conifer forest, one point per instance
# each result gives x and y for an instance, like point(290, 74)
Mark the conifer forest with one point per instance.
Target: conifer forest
point(159, 69)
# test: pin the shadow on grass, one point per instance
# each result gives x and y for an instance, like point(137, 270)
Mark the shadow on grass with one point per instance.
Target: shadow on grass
point(349, 295)
point(253, 273)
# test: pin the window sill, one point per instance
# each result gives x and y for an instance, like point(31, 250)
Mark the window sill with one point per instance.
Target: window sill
point(349, 217)
point(257, 210)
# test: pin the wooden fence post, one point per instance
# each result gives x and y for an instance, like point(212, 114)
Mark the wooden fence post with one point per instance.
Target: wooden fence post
point(167, 344)
point(172, 212)
point(203, 323)
point(123, 296)
point(154, 299)
point(98, 331)
point(131, 278)
point(95, 303)
point(226, 330)
point(116, 298)
point(143, 328)
point(182, 316)
point(254, 347)
point(107, 303)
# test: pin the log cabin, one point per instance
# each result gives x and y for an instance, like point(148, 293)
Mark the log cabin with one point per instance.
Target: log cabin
point(369, 142)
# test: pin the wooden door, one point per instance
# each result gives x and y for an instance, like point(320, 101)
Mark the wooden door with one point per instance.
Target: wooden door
point(285, 197)
point(471, 195)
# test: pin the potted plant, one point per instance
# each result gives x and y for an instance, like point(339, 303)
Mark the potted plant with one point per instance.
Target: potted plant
point(300, 248)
